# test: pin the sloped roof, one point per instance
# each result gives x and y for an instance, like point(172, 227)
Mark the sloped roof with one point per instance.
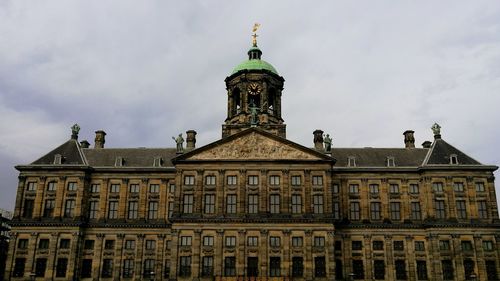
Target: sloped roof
point(377, 157)
point(133, 157)
point(70, 152)
point(441, 151)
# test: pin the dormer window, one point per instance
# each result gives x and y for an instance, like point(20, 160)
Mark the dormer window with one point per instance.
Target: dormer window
point(390, 161)
point(351, 161)
point(453, 159)
point(58, 159)
point(157, 162)
point(119, 161)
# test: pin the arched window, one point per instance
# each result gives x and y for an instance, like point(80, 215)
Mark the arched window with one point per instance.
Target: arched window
point(271, 104)
point(236, 101)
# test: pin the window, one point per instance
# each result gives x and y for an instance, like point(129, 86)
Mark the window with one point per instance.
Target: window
point(491, 270)
point(210, 180)
point(274, 241)
point(22, 244)
point(421, 270)
point(458, 186)
point(482, 209)
point(232, 180)
point(335, 188)
point(72, 186)
point(207, 268)
point(253, 180)
point(393, 188)
point(336, 210)
point(129, 244)
point(69, 208)
point(297, 241)
point(461, 209)
point(480, 187)
point(440, 209)
point(115, 188)
point(252, 266)
point(466, 246)
point(40, 266)
point(274, 266)
point(88, 244)
point(61, 267)
point(150, 244)
point(274, 180)
point(318, 204)
point(149, 265)
point(357, 245)
point(390, 162)
point(488, 246)
point(231, 204)
point(416, 213)
point(253, 241)
point(379, 269)
point(354, 188)
point(354, 211)
point(351, 161)
point(229, 266)
point(400, 270)
point(48, 211)
point(274, 204)
point(133, 210)
point(51, 186)
point(208, 241)
point(375, 210)
point(171, 188)
point(453, 159)
point(94, 209)
point(374, 188)
point(186, 240)
point(31, 186)
point(297, 266)
point(296, 204)
point(28, 208)
point(185, 266)
point(19, 266)
point(468, 268)
point(398, 246)
point(64, 243)
point(170, 209)
point(444, 245)
point(113, 210)
point(154, 188)
point(296, 180)
point(358, 269)
point(419, 246)
point(209, 204)
point(95, 188)
point(119, 161)
point(319, 267)
point(109, 244)
point(107, 268)
point(319, 241)
point(338, 246)
point(253, 204)
point(230, 241)
point(128, 268)
point(447, 269)
point(157, 162)
point(414, 189)
point(317, 180)
point(189, 180)
point(378, 245)
point(437, 187)
point(188, 204)
point(86, 268)
point(43, 244)
point(339, 274)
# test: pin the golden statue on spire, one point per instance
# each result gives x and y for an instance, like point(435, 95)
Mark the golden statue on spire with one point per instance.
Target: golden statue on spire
point(254, 30)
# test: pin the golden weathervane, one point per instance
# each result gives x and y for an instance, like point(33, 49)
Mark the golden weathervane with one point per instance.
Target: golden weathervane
point(254, 30)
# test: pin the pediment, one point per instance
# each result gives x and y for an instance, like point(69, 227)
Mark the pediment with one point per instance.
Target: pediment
point(256, 145)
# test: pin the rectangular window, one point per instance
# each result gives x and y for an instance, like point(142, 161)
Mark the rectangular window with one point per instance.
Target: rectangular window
point(491, 270)
point(50, 205)
point(253, 180)
point(170, 209)
point(379, 269)
point(378, 245)
point(51, 186)
point(317, 180)
point(357, 245)
point(274, 204)
point(440, 209)
point(109, 244)
point(171, 188)
point(336, 210)
point(318, 204)
point(338, 246)
point(297, 266)
point(374, 188)
point(469, 269)
point(95, 188)
point(296, 204)
point(414, 188)
point(466, 246)
point(319, 267)
point(296, 180)
point(149, 265)
point(69, 208)
point(253, 241)
point(358, 270)
point(230, 241)
point(354, 211)
point(133, 188)
point(28, 208)
point(64, 243)
point(150, 244)
point(416, 213)
point(230, 266)
point(252, 266)
point(393, 188)
point(274, 180)
point(231, 203)
point(335, 188)
point(419, 246)
point(253, 204)
point(189, 180)
point(398, 245)
point(86, 268)
point(447, 269)
point(154, 188)
point(400, 270)
point(319, 241)
point(40, 266)
point(488, 246)
point(207, 268)
point(232, 180)
point(274, 241)
point(461, 209)
point(61, 267)
point(375, 212)
point(72, 186)
point(107, 268)
point(129, 244)
point(274, 266)
point(113, 210)
point(482, 209)
point(93, 209)
point(422, 270)
point(128, 268)
point(210, 180)
point(186, 240)
point(115, 188)
point(444, 245)
point(88, 244)
point(187, 205)
point(133, 210)
point(354, 188)
point(19, 265)
point(208, 241)
point(458, 186)
point(31, 186)
point(22, 244)
point(209, 204)
point(437, 187)
point(480, 187)
point(185, 266)
point(43, 244)
point(339, 272)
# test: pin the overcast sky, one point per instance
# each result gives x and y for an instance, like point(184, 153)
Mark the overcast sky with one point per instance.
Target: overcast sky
point(143, 71)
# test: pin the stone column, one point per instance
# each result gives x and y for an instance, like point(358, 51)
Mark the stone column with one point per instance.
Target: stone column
point(308, 260)
point(287, 268)
point(263, 192)
point(330, 255)
point(195, 265)
point(285, 193)
point(389, 272)
point(198, 193)
point(60, 191)
point(99, 250)
point(143, 198)
point(139, 256)
point(51, 260)
point(220, 208)
point(307, 192)
point(103, 200)
point(21, 187)
point(119, 257)
point(174, 255)
point(368, 258)
point(410, 257)
point(218, 253)
point(242, 196)
point(263, 253)
point(40, 191)
point(240, 253)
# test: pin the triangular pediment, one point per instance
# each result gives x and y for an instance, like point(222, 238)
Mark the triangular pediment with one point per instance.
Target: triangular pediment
point(255, 144)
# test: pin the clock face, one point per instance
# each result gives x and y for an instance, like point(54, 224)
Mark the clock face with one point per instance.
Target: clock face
point(254, 89)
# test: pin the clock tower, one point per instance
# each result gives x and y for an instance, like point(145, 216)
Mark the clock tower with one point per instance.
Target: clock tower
point(254, 96)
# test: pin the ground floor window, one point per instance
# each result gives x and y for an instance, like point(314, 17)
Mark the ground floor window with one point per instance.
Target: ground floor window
point(358, 269)
point(19, 266)
point(421, 270)
point(230, 266)
point(319, 267)
point(252, 266)
point(491, 270)
point(274, 266)
point(339, 271)
point(185, 266)
point(107, 268)
point(207, 266)
point(468, 268)
point(86, 268)
point(447, 269)
point(379, 269)
point(128, 268)
point(40, 266)
point(401, 270)
point(297, 266)
point(61, 267)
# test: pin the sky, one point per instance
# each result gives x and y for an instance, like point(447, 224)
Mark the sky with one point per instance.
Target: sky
point(144, 71)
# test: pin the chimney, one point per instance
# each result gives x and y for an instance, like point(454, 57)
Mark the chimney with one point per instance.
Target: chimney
point(426, 144)
point(84, 144)
point(409, 139)
point(318, 139)
point(190, 139)
point(99, 139)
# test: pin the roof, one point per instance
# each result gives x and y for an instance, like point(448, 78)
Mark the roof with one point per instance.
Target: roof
point(377, 157)
point(70, 152)
point(254, 64)
point(132, 157)
point(441, 151)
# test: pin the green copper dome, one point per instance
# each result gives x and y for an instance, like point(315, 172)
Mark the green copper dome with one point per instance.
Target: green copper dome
point(254, 62)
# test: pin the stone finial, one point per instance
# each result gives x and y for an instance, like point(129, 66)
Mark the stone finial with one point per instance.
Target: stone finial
point(84, 144)
point(100, 139)
point(436, 129)
point(75, 129)
point(318, 139)
point(190, 139)
point(409, 139)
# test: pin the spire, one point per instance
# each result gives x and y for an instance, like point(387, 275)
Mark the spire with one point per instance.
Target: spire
point(254, 30)
point(254, 53)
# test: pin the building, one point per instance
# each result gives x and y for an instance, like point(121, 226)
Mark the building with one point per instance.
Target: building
point(5, 218)
point(255, 205)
